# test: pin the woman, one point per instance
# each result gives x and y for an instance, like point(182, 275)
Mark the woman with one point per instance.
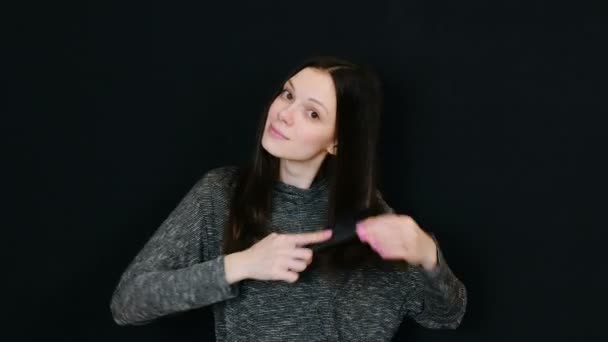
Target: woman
point(241, 239)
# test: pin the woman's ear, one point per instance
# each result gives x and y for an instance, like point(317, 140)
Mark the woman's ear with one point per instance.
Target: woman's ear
point(333, 149)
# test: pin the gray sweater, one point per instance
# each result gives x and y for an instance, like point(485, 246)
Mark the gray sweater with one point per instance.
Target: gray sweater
point(181, 268)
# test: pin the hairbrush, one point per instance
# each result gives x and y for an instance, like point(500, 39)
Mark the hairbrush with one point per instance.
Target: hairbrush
point(344, 230)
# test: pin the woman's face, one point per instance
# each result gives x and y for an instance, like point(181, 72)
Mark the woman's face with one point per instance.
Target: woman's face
point(305, 114)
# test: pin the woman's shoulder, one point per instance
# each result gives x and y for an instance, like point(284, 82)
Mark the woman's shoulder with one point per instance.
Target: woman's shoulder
point(218, 178)
point(221, 173)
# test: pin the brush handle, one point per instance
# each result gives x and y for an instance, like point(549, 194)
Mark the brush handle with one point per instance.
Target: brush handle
point(343, 231)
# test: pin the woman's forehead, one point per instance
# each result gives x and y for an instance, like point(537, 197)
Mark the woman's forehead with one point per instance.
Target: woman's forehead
point(316, 84)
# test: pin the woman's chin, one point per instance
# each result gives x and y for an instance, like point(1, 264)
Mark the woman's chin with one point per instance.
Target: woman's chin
point(272, 150)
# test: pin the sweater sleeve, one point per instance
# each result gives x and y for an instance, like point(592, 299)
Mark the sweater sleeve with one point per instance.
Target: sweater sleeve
point(438, 298)
point(168, 275)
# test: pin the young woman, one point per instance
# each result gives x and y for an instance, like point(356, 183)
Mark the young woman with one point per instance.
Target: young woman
point(241, 239)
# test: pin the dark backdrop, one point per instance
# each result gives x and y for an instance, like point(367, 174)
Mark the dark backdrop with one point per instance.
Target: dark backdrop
point(493, 137)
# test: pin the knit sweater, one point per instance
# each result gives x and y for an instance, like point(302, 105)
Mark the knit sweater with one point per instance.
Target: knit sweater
point(181, 267)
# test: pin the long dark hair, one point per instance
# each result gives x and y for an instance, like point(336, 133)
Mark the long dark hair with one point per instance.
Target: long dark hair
point(351, 173)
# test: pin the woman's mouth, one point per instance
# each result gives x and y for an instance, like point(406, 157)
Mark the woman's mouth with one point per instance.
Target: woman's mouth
point(276, 133)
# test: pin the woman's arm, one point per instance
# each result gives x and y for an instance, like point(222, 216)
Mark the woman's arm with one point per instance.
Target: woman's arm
point(437, 299)
point(168, 275)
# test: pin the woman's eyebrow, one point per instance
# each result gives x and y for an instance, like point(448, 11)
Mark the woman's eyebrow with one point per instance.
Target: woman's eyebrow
point(310, 98)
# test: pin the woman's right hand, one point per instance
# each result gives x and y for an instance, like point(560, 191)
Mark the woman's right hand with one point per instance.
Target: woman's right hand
point(281, 256)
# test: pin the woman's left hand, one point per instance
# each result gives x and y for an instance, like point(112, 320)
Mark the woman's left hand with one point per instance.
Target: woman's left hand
point(398, 237)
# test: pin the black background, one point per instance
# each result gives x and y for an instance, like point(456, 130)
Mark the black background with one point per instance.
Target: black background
point(493, 137)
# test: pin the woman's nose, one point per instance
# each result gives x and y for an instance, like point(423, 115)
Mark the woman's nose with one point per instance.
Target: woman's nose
point(286, 114)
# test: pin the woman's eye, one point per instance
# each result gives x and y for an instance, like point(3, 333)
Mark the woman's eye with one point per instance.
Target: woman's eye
point(316, 114)
point(287, 94)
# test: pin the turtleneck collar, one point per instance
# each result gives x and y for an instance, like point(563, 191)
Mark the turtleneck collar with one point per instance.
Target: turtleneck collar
point(318, 185)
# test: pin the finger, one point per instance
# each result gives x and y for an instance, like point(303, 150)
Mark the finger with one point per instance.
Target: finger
point(375, 226)
point(375, 221)
point(367, 229)
point(302, 254)
point(296, 265)
point(391, 254)
point(290, 276)
point(313, 237)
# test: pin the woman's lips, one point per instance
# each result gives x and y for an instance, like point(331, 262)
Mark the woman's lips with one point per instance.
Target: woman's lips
point(277, 133)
